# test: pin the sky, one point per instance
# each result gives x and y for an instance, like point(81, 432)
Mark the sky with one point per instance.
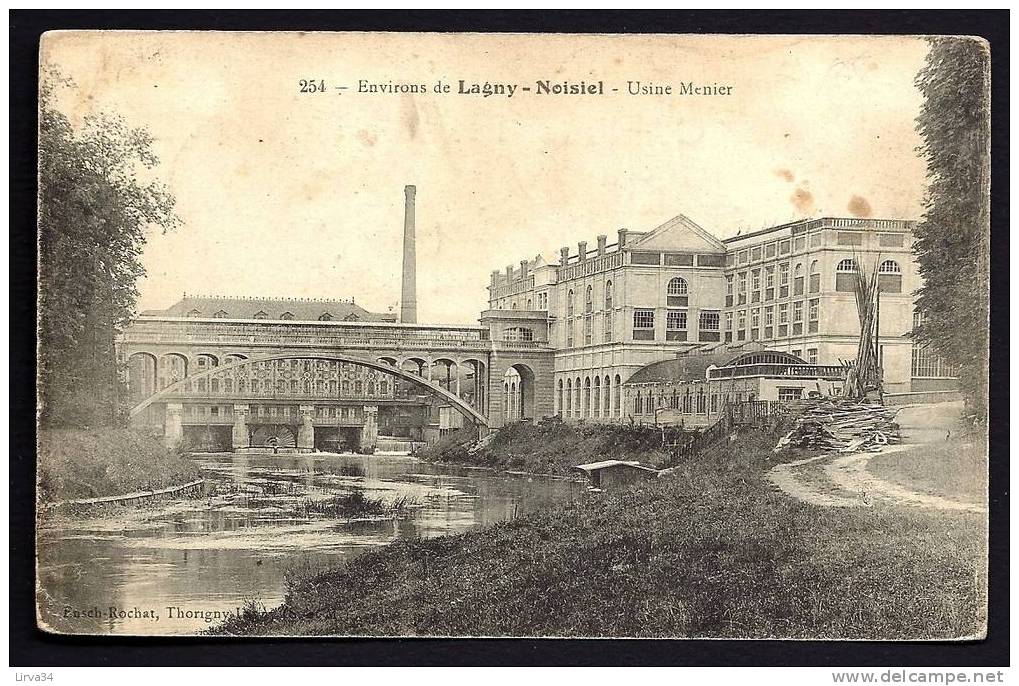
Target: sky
point(290, 194)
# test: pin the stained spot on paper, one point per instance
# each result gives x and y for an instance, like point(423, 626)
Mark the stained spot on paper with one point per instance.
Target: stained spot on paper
point(802, 200)
point(859, 207)
point(785, 174)
point(367, 137)
point(410, 116)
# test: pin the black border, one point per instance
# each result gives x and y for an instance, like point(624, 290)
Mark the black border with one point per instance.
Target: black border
point(29, 647)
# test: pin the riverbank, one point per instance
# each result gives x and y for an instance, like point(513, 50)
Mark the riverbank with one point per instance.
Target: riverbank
point(76, 464)
point(553, 447)
point(710, 550)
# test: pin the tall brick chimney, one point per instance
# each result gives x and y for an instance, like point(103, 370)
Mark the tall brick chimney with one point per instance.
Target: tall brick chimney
point(408, 294)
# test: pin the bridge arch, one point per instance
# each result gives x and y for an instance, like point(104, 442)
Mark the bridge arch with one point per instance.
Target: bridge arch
point(463, 407)
point(142, 374)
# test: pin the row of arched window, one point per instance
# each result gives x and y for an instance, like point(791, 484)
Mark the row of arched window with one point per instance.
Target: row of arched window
point(286, 316)
point(676, 293)
point(588, 299)
point(590, 398)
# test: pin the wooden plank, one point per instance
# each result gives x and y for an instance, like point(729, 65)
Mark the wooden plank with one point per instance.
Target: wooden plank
point(124, 498)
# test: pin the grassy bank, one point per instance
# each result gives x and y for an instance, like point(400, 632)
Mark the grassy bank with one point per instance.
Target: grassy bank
point(77, 463)
point(709, 550)
point(554, 447)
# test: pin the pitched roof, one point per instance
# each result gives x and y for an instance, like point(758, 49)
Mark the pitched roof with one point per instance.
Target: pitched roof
point(679, 233)
point(297, 309)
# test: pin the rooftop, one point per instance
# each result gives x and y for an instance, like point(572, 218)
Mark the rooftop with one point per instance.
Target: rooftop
point(836, 222)
point(285, 309)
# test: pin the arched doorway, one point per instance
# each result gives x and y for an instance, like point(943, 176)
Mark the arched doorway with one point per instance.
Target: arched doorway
point(518, 389)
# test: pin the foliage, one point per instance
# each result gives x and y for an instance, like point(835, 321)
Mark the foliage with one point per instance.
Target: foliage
point(78, 463)
point(952, 238)
point(552, 446)
point(94, 212)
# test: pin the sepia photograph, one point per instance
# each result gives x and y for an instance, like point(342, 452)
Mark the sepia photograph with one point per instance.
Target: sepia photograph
point(485, 335)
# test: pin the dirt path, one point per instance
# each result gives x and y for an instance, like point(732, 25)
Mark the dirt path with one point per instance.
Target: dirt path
point(846, 482)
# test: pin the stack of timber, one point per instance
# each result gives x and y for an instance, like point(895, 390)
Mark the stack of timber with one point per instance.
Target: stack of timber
point(843, 427)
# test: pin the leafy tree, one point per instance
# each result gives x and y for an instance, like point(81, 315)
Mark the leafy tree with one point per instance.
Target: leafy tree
point(94, 211)
point(952, 238)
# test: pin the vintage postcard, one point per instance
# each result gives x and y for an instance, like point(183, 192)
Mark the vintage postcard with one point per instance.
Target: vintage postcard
point(532, 335)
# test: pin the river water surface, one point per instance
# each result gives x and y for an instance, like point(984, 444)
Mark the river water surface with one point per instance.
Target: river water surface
point(179, 566)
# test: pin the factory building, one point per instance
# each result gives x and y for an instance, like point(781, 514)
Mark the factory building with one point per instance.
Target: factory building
point(611, 310)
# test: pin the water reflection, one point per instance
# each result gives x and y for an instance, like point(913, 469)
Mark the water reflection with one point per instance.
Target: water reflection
point(175, 567)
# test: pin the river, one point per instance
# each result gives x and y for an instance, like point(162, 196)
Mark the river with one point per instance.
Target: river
point(178, 566)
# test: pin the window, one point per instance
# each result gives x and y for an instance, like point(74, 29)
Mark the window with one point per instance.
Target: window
point(728, 326)
point(569, 303)
point(645, 258)
point(513, 305)
point(788, 394)
point(783, 320)
point(783, 247)
point(755, 254)
point(530, 306)
point(325, 317)
point(608, 295)
point(769, 250)
point(710, 261)
point(890, 240)
point(926, 364)
point(850, 238)
point(769, 282)
point(799, 243)
point(643, 325)
point(755, 286)
point(813, 314)
point(194, 313)
point(769, 321)
point(741, 325)
point(812, 355)
point(589, 300)
point(798, 280)
point(352, 317)
point(676, 293)
point(845, 275)
point(743, 256)
point(678, 259)
point(675, 325)
point(815, 277)
point(518, 334)
point(783, 280)
point(889, 277)
point(588, 329)
point(261, 315)
point(742, 287)
point(287, 316)
point(543, 301)
point(728, 290)
point(797, 317)
point(220, 315)
point(607, 327)
point(569, 333)
point(755, 323)
point(709, 325)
